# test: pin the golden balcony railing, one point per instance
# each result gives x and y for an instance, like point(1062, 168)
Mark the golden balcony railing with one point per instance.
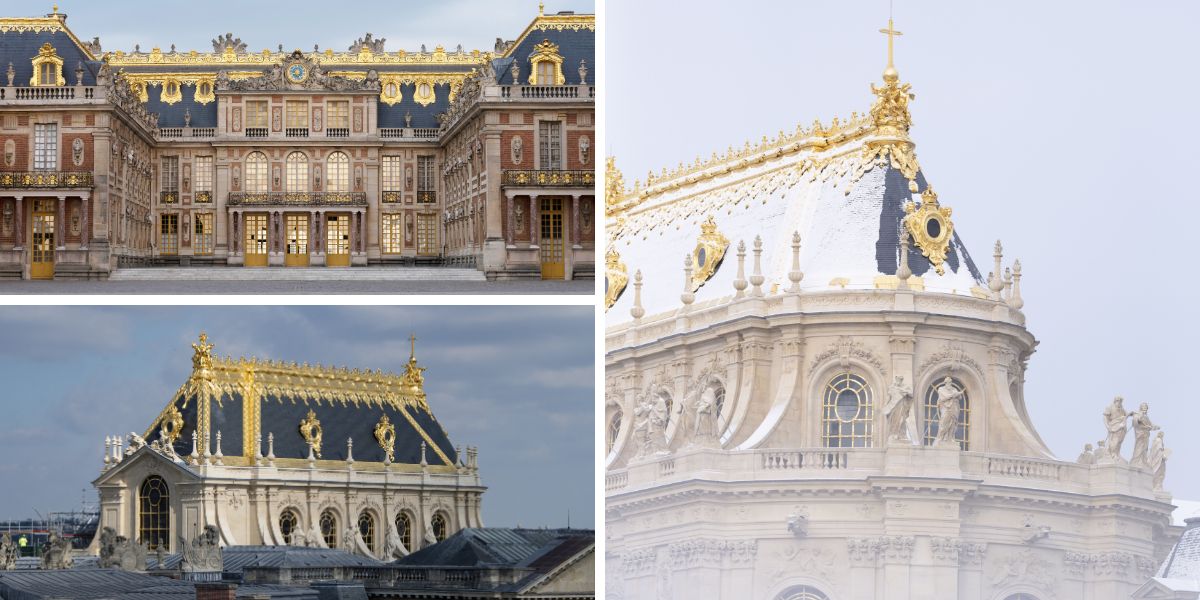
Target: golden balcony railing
point(297, 199)
point(521, 177)
point(426, 196)
point(45, 179)
point(393, 196)
point(203, 197)
point(168, 198)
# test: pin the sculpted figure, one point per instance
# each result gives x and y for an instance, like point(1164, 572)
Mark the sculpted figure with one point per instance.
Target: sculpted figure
point(429, 539)
point(56, 554)
point(1114, 419)
point(393, 546)
point(298, 538)
point(701, 405)
point(1142, 426)
point(901, 425)
point(135, 442)
point(650, 424)
point(516, 148)
point(1158, 461)
point(948, 411)
point(8, 553)
point(1087, 457)
point(202, 554)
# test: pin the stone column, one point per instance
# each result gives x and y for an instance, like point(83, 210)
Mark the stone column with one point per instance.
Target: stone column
point(508, 202)
point(534, 221)
point(576, 226)
point(60, 229)
point(236, 228)
point(20, 217)
point(84, 200)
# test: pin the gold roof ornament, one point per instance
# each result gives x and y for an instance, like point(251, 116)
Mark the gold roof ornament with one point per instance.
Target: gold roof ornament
point(310, 430)
point(889, 114)
point(413, 380)
point(710, 249)
point(171, 424)
point(931, 228)
point(546, 51)
point(614, 185)
point(385, 434)
point(202, 362)
point(616, 276)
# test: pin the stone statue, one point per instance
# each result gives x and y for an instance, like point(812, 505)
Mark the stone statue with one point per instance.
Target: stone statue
point(650, 424)
point(11, 73)
point(1142, 426)
point(203, 554)
point(583, 71)
point(220, 44)
point(1087, 457)
point(585, 149)
point(429, 539)
point(519, 211)
point(135, 443)
point(8, 553)
point(298, 539)
point(222, 81)
point(702, 404)
point(77, 152)
point(515, 71)
point(393, 546)
point(1115, 419)
point(1158, 461)
point(315, 539)
point(56, 554)
point(948, 397)
point(901, 422)
point(516, 147)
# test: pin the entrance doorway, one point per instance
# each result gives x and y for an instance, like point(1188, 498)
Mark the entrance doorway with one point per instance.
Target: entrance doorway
point(256, 240)
point(42, 249)
point(337, 238)
point(551, 239)
point(297, 241)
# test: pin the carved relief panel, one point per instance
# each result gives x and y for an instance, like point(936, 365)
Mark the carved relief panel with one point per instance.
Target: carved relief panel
point(236, 119)
point(358, 119)
point(317, 118)
point(276, 118)
point(10, 152)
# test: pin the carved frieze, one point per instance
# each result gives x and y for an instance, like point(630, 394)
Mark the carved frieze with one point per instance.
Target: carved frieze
point(844, 349)
point(952, 353)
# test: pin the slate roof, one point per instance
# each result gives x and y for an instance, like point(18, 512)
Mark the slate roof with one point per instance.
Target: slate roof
point(236, 559)
point(113, 584)
point(1183, 562)
point(502, 547)
point(20, 47)
point(573, 45)
point(171, 115)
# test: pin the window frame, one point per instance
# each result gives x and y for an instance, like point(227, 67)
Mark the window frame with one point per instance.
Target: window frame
point(45, 146)
point(257, 114)
point(862, 424)
point(550, 145)
point(337, 114)
point(391, 233)
point(295, 114)
point(296, 173)
point(257, 169)
point(337, 172)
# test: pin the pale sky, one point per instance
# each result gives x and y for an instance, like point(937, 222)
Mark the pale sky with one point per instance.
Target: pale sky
point(1066, 129)
point(518, 382)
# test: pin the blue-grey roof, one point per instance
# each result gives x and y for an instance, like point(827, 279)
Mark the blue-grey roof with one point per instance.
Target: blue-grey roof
point(1184, 560)
point(573, 45)
point(171, 115)
point(499, 547)
point(114, 584)
point(235, 559)
point(20, 48)
point(422, 116)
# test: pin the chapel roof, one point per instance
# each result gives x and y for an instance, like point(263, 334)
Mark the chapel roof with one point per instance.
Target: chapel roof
point(847, 187)
point(115, 584)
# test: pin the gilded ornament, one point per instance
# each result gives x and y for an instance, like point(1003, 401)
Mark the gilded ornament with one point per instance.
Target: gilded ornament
point(172, 424)
point(546, 51)
point(310, 430)
point(202, 355)
point(931, 228)
point(710, 249)
point(385, 434)
point(615, 277)
point(47, 55)
point(171, 92)
point(204, 91)
point(614, 185)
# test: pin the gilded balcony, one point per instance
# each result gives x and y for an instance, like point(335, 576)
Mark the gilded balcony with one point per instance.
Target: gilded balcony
point(426, 197)
point(297, 199)
point(203, 197)
point(551, 178)
point(46, 180)
point(392, 196)
point(168, 197)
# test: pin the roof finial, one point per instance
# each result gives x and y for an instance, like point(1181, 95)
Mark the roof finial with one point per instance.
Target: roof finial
point(55, 7)
point(541, 9)
point(412, 338)
point(890, 72)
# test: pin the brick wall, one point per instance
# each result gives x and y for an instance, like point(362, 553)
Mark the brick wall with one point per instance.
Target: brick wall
point(67, 160)
point(527, 150)
point(572, 149)
point(21, 157)
point(216, 591)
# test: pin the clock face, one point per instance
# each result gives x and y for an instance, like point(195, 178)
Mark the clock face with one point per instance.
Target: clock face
point(297, 73)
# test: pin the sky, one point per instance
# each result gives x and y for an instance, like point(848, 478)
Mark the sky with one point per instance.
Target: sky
point(1065, 129)
point(518, 382)
point(299, 23)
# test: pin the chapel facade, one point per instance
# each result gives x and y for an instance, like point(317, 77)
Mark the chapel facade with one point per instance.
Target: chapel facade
point(825, 399)
point(257, 452)
point(286, 157)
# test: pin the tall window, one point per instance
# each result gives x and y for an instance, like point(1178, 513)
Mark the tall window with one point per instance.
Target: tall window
point(545, 73)
point(337, 115)
point(550, 145)
point(847, 413)
point(289, 522)
point(933, 413)
point(256, 172)
point(404, 530)
point(426, 234)
point(204, 233)
point(154, 513)
point(297, 172)
point(45, 146)
point(47, 74)
point(366, 527)
point(392, 180)
point(337, 172)
point(438, 523)
point(170, 179)
point(296, 114)
point(329, 529)
point(169, 242)
point(424, 175)
point(256, 113)
point(202, 175)
point(393, 233)
point(614, 428)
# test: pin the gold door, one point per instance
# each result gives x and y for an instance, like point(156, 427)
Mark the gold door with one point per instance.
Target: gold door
point(256, 240)
point(337, 246)
point(552, 238)
point(42, 249)
point(297, 241)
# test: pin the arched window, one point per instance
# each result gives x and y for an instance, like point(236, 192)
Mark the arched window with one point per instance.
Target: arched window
point(438, 523)
point(154, 513)
point(933, 414)
point(366, 527)
point(802, 592)
point(404, 530)
point(297, 172)
point(337, 172)
point(847, 412)
point(614, 428)
point(329, 528)
point(289, 522)
point(256, 172)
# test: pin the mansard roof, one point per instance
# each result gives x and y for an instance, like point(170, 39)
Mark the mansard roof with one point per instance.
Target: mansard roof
point(21, 38)
point(575, 36)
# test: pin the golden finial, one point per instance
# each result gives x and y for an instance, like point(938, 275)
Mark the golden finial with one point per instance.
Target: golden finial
point(55, 7)
point(541, 9)
point(413, 340)
point(202, 353)
point(890, 74)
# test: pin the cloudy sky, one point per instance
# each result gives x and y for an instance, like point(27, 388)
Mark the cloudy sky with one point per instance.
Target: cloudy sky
point(518, 382)
point(1067, 129)
point(300, 23)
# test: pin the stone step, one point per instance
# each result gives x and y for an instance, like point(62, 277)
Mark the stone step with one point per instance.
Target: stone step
point(297, 274)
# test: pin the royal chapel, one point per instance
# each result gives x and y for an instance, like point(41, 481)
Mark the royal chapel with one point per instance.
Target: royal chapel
point(278, 157)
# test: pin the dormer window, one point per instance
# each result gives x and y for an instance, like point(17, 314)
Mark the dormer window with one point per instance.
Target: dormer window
point(546, 65)
point(390, 92)
point(47, 68)
point(204, 92)
point(424, 93)
point(170, 92)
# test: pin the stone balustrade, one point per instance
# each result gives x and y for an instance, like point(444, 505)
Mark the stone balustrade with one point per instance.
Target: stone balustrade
point(547, 92)
point(41, 95)
point(390, 576)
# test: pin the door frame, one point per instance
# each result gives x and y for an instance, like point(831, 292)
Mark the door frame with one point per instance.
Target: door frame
point(42, 269)
point(552, 270)
point(258, 260)
point(297, 259)
point(333, 259)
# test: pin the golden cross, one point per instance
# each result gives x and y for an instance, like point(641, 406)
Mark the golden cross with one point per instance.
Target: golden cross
point(891, 33)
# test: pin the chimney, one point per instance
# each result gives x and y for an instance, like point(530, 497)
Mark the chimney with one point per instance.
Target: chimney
point(216, 590)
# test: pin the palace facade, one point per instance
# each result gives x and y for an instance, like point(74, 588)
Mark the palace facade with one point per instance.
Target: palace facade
point(257, 452)
point(825, 399)
point(286, 157)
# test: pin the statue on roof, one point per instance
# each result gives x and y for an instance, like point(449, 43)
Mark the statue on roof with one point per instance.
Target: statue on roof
point(93, 46)
point(8, 553)
point(890, 110)
point(1142, 426)
point(368, 42)
point(203, 554)
point(202, 354)
point(901, 421)
point(1115, 419)
point(393, 546)
point(220, 44)
point(1158, 461)
point(56, 554)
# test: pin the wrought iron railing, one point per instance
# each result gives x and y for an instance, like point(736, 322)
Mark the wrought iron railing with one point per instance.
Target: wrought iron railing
point(294, 132)
point(203, 197)
point(45, 179)
point(426, 197)
point(392, 196)
point(548, 177)
point(168, 197)
point(297, 198)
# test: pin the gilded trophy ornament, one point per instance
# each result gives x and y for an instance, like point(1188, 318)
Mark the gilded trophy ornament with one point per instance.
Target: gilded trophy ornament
point(171, 424)
point(310, 430)
point(931, 228)
point(385, 434)
point(202, 354)
point(614, 185)
point(710, 249)
point(615, 277)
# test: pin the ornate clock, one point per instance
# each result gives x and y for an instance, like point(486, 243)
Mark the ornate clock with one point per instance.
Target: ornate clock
point(297, 73)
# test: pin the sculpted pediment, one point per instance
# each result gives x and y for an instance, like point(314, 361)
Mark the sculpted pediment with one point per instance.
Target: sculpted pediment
point(297, 72)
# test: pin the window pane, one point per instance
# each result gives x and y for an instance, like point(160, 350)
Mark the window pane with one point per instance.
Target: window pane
point(391, 174)
point(337, 172)
point(170, 173)
point(202, 173)
point(549, 145)
point(45, 146)
point(256, 172)
point(297, 172)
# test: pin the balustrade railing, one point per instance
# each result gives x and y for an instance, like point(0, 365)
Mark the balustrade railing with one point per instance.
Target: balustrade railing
point(186, 132)
point(1023, 468)
point(418, 133)
point(805, 459)
point(337, 132)
point(524, 177)
point(45, 179)
point(546, 92)
point(295, 132)
point(256, 132)
point(426, 197)
point(48, 93)
point(168, 197)
point(297, 199)
point(392, 196)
